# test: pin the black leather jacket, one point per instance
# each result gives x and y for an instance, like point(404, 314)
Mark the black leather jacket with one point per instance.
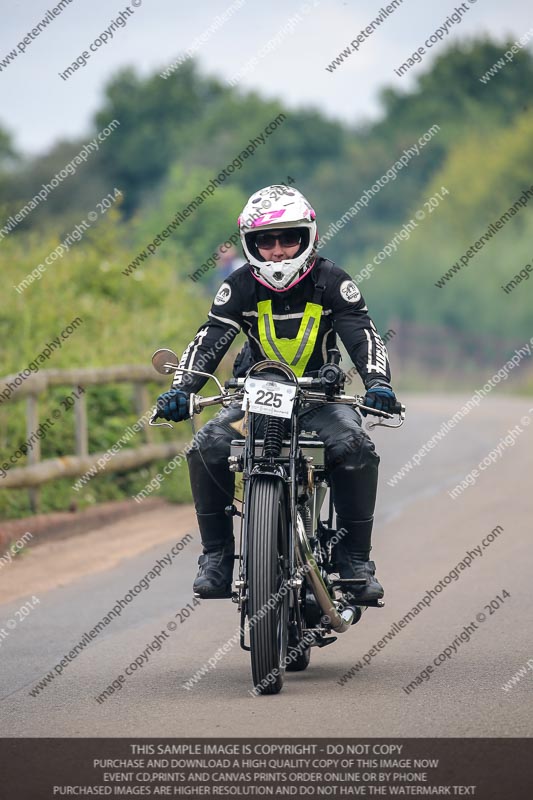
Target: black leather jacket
point(297, 326)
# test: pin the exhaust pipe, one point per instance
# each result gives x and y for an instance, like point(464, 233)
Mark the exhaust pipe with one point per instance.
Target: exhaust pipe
point(340, 622)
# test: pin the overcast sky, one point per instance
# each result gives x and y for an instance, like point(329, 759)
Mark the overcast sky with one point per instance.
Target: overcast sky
point(38, 107)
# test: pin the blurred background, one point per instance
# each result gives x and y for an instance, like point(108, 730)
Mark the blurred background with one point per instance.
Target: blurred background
point(186, 108)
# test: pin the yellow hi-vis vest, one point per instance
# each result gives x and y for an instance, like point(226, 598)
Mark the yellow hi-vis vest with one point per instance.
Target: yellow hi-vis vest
point(294, 352)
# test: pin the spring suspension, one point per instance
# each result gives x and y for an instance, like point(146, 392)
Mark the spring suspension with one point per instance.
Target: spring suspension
point(308, 521)
point(273, 437)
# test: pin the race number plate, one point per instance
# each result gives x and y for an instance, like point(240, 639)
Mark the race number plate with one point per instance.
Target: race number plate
point(268, 397)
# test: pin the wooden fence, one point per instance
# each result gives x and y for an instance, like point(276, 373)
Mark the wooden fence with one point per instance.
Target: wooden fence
point(38, 472)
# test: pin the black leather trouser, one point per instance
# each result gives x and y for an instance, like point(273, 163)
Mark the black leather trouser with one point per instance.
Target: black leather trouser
point(350, 457)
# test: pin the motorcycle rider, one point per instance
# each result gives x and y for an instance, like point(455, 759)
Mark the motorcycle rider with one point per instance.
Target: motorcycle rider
point(291, 304)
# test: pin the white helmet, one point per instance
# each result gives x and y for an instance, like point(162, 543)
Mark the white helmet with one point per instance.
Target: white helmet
point(275, 208)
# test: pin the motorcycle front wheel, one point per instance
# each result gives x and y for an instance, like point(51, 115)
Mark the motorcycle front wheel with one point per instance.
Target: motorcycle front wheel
point(268, 592)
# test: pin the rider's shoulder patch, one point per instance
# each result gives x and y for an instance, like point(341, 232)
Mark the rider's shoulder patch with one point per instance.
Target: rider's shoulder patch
point(223, 295)
point(349, 291)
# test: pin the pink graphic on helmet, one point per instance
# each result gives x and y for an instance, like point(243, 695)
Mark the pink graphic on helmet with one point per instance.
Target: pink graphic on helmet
point(270, 216)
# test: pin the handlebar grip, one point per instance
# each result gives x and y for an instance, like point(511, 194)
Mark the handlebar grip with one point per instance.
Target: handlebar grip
point(231, 383)
point(399, 408)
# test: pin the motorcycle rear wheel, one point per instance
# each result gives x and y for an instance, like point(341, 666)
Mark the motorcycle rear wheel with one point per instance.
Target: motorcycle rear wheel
point(298, 659)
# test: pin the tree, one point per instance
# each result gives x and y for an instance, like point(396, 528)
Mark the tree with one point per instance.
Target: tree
point(155, 118)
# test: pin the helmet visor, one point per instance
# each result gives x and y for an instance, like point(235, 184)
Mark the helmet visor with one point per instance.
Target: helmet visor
point(266, 240)
point(290, 237)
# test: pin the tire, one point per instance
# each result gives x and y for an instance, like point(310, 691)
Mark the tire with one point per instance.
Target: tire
point(300, 661)
point(298, 656)
point(267, 573)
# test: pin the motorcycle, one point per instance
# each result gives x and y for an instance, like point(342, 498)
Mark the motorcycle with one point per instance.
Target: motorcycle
point(287, 593)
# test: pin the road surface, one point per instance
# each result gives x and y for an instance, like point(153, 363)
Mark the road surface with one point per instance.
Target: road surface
point(421, 534)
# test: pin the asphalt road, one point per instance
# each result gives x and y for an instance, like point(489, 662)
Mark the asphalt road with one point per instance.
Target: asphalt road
point(421, 534)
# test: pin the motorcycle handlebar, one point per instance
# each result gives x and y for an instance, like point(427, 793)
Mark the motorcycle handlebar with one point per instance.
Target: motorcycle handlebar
point(399, 408)
point(321, 383)
point(199, 403)
point(308, 383)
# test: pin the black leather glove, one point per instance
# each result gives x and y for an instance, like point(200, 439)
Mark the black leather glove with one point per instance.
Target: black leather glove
point(379, 396)
point(173, 405)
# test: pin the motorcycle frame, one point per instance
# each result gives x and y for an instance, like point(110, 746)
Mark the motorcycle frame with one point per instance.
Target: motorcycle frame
point(285, 468)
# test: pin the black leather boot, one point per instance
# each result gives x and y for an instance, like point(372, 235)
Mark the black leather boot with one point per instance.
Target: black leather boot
point(351, 556)
point(216, 564)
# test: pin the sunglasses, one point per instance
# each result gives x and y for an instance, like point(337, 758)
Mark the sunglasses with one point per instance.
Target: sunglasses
point(288, 238)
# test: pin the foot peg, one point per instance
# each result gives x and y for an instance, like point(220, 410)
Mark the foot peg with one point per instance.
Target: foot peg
point(217, 594)
point(368, 603)
point(347, 583)
point(353, 601)
point(350, 598)
point(321, 641)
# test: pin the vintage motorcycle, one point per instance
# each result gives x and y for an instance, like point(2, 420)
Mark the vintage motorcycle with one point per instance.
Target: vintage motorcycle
point(288, 595)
